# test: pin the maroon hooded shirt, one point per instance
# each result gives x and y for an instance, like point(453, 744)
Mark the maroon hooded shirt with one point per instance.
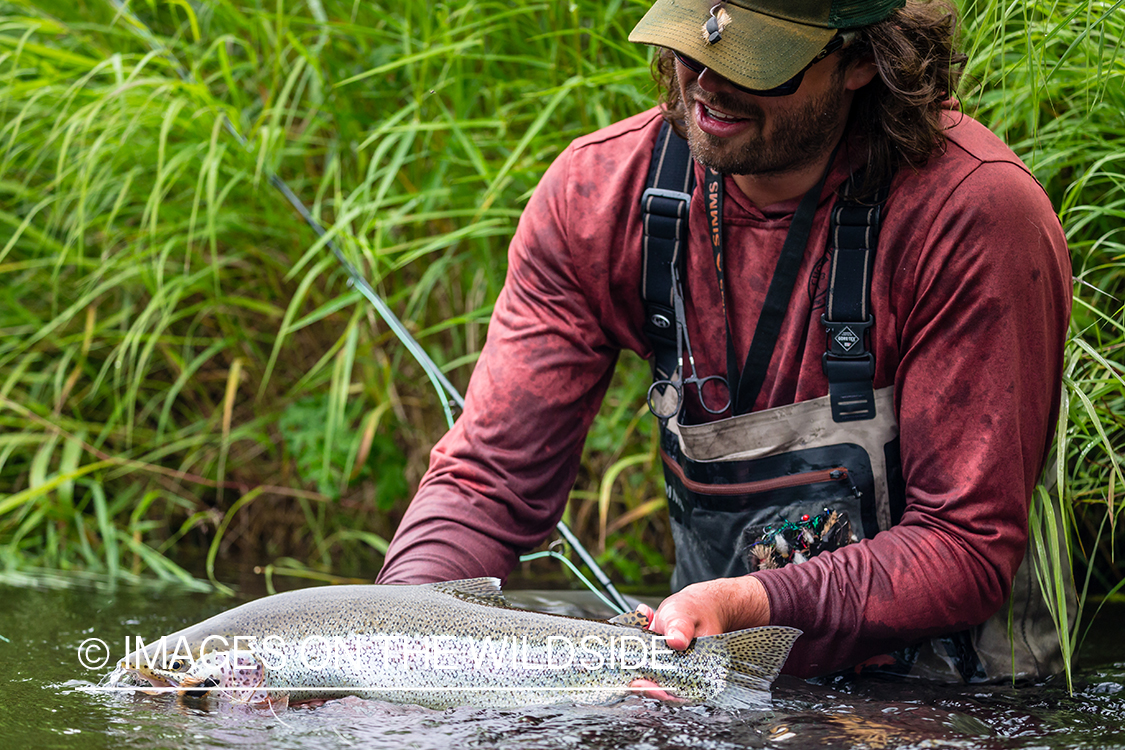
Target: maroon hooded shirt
point(971, 298)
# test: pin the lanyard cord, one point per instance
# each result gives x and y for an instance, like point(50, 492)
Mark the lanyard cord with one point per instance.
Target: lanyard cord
point(714, 202)
point(749, 383)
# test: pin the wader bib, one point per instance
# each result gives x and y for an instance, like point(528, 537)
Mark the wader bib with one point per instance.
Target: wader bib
point(730, 481)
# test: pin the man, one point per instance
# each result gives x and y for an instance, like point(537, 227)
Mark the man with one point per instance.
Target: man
point(789, 109)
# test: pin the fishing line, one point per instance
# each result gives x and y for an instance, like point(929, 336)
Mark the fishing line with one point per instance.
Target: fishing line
point(447, 393)
point(573, 569)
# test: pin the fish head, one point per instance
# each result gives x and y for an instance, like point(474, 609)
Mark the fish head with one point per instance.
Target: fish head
point(238, 672)
point(164, 662)
point(211, 670)
point(239, 675)
point(161, 671)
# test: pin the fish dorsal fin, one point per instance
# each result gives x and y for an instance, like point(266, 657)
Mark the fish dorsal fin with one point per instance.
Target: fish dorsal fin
point(480, 590)
point(632, 619)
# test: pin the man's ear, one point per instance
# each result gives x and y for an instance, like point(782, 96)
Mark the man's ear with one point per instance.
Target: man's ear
point(860, 73)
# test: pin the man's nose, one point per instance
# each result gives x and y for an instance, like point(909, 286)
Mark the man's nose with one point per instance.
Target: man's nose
point(712, 82)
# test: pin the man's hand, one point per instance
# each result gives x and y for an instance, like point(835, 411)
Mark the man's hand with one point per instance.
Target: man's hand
point(707, 608)
point(710, 608)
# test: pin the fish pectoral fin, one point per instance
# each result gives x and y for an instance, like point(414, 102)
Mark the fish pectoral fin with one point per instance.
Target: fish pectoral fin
point(274, 704)
point(480, 590)
point(632, 619)
point(253, 697)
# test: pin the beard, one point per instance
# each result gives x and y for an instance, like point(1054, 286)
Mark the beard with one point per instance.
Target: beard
point(798, 137)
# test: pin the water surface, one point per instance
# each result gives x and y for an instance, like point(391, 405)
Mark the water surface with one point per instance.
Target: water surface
point(45, 700)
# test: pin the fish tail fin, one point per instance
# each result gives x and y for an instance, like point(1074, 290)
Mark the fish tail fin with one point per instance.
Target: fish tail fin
point(754, 660)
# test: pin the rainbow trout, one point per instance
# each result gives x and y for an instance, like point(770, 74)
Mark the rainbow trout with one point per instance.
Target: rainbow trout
point(442, 645)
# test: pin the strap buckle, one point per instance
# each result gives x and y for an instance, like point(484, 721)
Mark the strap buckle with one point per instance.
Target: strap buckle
point(847, 338)
point(849, 367)
point(656, 200)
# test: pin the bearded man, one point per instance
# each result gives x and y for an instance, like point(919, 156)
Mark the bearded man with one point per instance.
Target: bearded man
point(855, 299)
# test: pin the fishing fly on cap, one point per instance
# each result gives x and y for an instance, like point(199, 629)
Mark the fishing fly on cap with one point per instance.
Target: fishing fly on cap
point(713, 28)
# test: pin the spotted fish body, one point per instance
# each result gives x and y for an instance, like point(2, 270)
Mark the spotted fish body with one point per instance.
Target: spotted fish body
point(447, 644)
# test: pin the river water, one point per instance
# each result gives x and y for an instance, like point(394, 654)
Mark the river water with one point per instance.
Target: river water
point(47, 701)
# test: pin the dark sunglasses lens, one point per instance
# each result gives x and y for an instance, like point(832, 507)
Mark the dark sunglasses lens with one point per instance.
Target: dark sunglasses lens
point(689, 63)
point(785, 89)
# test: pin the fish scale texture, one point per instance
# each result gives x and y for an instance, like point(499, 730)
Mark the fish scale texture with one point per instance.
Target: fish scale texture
point(457, 643)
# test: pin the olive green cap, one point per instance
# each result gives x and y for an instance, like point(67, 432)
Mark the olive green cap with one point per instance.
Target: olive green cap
point(762, 43)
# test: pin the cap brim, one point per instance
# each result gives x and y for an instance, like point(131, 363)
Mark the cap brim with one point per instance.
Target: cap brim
point(756, 51)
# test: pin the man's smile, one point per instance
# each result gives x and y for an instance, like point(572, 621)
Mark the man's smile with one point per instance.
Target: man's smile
point(719, 114)
point(719, 122)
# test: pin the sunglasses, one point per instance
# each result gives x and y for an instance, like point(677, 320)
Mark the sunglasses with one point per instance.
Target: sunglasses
point(789, 87)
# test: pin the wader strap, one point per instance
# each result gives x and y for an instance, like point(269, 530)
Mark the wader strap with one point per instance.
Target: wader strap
point(664, 213)
point(848, 362)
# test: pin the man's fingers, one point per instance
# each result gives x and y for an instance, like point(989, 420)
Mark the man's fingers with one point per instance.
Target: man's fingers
point(652, 690)
point(679, 633)
point(677, 628)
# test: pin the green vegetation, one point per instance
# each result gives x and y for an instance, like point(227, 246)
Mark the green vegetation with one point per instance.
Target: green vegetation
point(1051, 78)
point(183, 367)
point(178, 341)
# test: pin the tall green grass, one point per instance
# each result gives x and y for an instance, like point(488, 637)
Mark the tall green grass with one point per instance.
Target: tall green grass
point(1051, 86)
point(177, 341)
point(187, 378)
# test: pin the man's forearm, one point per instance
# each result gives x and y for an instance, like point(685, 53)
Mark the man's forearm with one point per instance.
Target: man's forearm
point(436, 549)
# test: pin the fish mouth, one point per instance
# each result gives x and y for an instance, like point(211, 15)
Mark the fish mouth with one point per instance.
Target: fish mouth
point(155, 682)
point(197, 687)
point(152, 679)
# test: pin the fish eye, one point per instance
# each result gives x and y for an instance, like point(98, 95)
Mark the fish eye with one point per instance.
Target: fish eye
point(176, 665)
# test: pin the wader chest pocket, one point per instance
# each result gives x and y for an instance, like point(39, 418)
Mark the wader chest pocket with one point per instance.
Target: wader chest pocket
point(718, 505)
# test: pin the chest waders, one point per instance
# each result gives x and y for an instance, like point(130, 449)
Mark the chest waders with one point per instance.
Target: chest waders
point(730, 480)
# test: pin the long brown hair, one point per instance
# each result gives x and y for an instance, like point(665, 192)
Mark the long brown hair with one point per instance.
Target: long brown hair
point(919, 68)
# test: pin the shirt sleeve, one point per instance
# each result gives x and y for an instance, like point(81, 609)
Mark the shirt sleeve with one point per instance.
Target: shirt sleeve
point(981, 308)
point(498, 481)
